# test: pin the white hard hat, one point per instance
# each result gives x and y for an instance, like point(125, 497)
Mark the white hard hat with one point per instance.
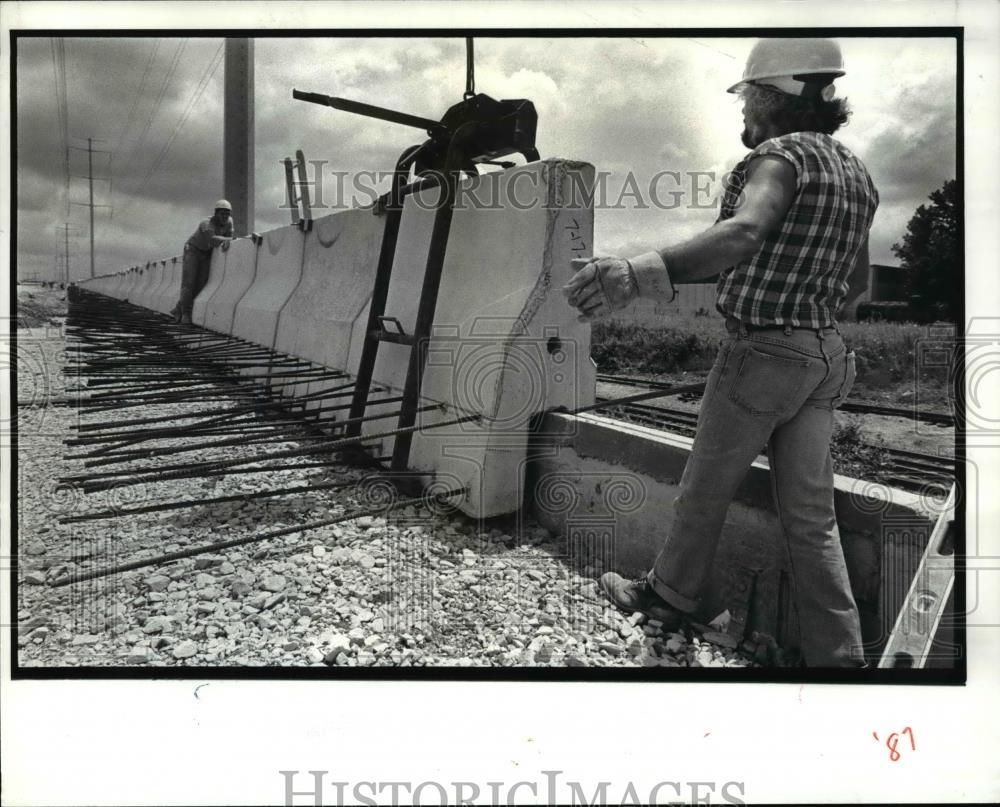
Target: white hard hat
point(794, 66)
point(222, 204)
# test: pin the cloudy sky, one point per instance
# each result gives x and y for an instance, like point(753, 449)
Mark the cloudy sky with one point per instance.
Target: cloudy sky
point(640, 105)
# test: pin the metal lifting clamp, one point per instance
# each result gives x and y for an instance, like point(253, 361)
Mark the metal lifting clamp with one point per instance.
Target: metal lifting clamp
point(478, 130)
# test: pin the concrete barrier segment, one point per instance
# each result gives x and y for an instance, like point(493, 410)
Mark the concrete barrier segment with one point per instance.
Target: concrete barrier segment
point(216, 277)
point(151, 278)
point(504, 344)
point(241, 269)
point(279, 269)
point(169, 292)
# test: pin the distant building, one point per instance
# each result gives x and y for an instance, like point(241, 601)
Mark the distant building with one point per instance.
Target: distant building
point(888, 283)
point(692, 298)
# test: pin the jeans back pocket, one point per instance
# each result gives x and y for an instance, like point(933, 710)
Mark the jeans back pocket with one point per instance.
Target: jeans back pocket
point(766, 384)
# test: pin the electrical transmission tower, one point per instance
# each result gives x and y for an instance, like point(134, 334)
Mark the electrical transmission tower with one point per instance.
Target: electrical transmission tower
point(89, 176)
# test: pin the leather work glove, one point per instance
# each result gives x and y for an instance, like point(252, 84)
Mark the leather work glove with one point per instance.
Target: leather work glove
point(603, 285)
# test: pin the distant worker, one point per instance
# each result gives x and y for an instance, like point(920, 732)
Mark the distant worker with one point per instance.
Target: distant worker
point(789, 247)
point(198, 257)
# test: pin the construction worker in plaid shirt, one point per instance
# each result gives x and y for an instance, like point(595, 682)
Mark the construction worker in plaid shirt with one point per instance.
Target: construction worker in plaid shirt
point(790, 248)
point(211, 232)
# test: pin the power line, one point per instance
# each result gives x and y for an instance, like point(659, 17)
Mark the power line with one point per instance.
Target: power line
point(138, 94)
point(90, 178)
point(156, 105)
point(199, 90)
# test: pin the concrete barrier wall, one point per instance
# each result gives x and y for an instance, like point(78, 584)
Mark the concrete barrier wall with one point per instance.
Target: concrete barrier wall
point(153, 276)
point(505, 344)
point(279, 268)
point(161, 279)
point(241, 268)
point(111, 285)
point(125, 283)
point(169, 292)
point(216, 277)
point(338, 275)
point(153, 293)
point(341, 254)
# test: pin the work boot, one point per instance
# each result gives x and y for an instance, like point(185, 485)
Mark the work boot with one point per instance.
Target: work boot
point(638, 595)
point(186, 319)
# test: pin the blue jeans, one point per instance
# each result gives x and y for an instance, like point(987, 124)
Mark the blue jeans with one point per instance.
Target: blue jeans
point(194, 276)
point(780, 387)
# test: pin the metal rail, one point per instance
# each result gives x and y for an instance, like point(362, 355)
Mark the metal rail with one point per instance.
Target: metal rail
point(910, 470)
point(860, 407)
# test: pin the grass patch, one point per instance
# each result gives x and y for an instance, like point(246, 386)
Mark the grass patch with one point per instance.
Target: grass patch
point(619, 347)
point(852, 455)
point(885, 352)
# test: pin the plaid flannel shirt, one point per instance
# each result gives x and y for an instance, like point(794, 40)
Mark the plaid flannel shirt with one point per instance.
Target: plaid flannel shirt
point(799, 275)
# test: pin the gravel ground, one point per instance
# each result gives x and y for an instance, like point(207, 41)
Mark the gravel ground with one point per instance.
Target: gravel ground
point(424, 588)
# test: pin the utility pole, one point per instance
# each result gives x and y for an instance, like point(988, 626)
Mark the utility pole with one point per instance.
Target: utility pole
point(66, 227)
point(238, 132)
point(90, 179)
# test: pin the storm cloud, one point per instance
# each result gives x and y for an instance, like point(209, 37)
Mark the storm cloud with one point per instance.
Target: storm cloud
point(644, 106)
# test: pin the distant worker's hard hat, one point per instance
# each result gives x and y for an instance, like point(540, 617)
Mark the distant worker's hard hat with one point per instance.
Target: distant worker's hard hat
point(804, 67)
point(222, 204)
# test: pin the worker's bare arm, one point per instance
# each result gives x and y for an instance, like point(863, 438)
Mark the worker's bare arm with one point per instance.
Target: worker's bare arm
point(607, 284)
point(767, 195)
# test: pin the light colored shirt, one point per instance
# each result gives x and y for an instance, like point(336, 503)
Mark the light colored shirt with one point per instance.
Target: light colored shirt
point(201, 239)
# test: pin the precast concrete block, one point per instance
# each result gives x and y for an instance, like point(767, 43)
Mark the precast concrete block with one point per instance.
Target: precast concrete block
point(124, 283)
point(100, 285)
point(160, 279)
point(130, 279)
point(279, 269)
point(157, 291)
point(505, 345)
point(338, 275)
point(216, 276)
point(149, 289)
point(169, 291)
point(149, 277)
point(108, 285)
point(241, 269)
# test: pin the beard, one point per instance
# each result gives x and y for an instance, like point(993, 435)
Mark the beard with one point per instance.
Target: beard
point(747, 139)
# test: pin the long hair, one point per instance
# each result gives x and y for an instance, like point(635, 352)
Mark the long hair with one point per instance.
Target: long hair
point(792, 113)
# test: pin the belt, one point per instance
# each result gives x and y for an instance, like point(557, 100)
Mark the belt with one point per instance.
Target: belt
point(736, 324)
